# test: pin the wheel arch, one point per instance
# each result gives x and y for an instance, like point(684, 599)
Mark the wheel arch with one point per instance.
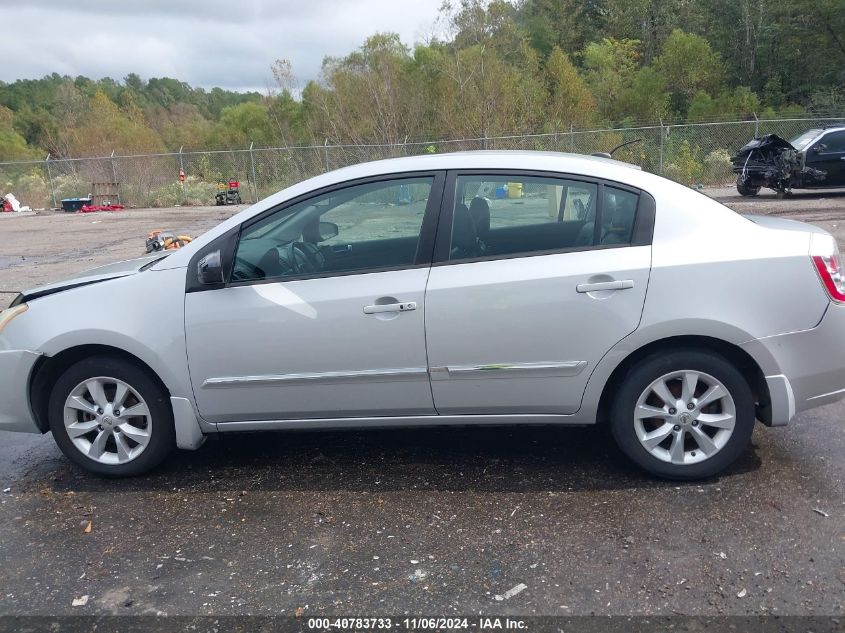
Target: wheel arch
point(48, 369)
point(739, 358)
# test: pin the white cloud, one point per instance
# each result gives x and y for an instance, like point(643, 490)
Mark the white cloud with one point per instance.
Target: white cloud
point(203, 42)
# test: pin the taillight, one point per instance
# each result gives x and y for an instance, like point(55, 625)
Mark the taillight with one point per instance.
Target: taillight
point(828, 262)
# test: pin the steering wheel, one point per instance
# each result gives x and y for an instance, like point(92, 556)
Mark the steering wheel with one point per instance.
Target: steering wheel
point(302, 259)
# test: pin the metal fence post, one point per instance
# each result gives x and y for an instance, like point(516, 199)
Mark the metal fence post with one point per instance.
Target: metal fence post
point(252, 165)
point(756, 125)
point(572, 137)
point(326, 152)
point(661, 146)
point(114, 177)
point(182, 171)
point(50, 180)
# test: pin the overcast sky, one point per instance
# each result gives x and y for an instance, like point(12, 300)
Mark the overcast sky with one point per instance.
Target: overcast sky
point(226, 43)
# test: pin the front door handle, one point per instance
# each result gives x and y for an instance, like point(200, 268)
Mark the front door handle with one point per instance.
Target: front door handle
point(407, 306)
point(606, 285)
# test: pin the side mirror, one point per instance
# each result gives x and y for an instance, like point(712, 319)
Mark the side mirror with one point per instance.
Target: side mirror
point(210, 269)
point(327, 230)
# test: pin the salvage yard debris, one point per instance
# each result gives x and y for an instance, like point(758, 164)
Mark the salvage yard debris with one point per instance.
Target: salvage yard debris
point(10, 203)
point(510, 593)
point(90, 208)
point(159, 240)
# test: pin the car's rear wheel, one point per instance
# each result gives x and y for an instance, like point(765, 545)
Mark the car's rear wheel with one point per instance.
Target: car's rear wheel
point(683, 415)
point(110, 417)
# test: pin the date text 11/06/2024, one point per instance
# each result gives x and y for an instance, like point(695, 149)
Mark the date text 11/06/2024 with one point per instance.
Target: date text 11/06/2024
point(411, 624)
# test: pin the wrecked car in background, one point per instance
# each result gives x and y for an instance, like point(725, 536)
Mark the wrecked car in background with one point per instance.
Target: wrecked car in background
point(814, 159)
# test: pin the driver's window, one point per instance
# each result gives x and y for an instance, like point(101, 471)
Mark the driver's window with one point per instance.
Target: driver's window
point(369, 226)
point(834, 143)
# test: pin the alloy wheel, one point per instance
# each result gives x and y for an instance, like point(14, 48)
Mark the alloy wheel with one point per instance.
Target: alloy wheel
point(684, 417)
point(107, 420)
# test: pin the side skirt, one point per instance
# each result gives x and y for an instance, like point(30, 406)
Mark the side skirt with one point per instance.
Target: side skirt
point(400, 422)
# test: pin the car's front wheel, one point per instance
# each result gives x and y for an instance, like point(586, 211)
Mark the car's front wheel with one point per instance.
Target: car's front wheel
point(110, 417)
point(683, 415)
point(744, 189)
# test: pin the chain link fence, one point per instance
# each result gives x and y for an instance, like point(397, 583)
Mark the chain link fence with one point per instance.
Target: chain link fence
point(693, 154)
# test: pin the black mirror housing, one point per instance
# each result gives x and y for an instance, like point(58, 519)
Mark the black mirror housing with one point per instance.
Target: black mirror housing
point(210, 269)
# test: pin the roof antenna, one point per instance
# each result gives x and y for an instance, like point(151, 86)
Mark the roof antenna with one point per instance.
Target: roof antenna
point(610, 153)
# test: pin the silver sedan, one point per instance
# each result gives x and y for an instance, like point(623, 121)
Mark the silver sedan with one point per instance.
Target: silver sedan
point(475, 288)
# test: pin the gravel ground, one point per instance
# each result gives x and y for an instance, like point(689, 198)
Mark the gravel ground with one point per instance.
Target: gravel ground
point(436, 522)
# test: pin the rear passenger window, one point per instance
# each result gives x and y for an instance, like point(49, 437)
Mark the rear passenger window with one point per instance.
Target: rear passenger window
point(618, 213)
point(497, 215)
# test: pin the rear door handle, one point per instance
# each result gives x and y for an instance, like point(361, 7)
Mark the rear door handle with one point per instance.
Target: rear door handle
point(407, 306)
point(606, 285)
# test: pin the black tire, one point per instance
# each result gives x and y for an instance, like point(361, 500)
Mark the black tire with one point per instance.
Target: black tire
point(638, 379)
point(162, 438)
point(747, 190)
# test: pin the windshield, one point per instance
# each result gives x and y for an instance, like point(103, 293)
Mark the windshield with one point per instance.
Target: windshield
point(803, 140)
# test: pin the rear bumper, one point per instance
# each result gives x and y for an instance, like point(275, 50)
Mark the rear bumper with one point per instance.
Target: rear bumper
point(15, 412)
point(804, 369)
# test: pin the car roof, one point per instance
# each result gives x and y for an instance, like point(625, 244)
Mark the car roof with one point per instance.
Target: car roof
point(596, 166)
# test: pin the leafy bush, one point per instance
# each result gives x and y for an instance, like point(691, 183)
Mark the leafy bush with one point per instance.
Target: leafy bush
point(683, 164)
point(197, 192)
point(28, 186)
point(718, 167)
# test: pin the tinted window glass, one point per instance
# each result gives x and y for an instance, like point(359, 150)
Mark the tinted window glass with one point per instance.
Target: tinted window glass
point(618, 213)
point(375, 225)
point(802, 140)
point(833, 142)
point(498, 215)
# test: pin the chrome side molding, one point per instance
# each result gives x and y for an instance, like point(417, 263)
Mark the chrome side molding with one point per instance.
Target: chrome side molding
point(362, 375)
point(509, 370)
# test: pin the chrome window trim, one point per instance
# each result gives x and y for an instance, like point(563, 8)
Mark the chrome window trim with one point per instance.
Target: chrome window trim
point(642, 232)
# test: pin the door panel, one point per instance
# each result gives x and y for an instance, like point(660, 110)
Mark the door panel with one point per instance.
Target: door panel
point(323, 314)
point(828, 155)
point(306, 349)
point(516, 336)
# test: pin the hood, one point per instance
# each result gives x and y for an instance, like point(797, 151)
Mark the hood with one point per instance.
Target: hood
point(92, 276)
point(767, 142)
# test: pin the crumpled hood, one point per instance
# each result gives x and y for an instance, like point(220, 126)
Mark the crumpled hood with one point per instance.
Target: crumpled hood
point(94, 275)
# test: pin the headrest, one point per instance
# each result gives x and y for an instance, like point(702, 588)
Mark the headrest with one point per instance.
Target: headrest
point(463, 229)
point(479, 211)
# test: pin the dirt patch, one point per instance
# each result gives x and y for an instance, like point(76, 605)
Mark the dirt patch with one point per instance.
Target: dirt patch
point(48, 246)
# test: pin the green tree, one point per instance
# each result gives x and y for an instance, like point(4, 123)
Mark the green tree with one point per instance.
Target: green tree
point(647, 98)
point(569, 100)
point(241, 125)
point(13, 146)
point(103, 128)
point(688, 65)
point(611, 66)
